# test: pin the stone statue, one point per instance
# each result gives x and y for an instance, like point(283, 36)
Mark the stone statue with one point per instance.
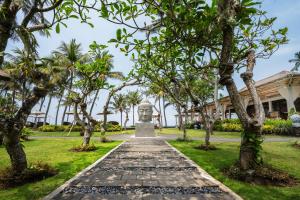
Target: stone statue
point(145, 128)
point(295, 124)
point(145, 111)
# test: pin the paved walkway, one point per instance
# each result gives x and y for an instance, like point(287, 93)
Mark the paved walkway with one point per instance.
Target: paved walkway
point(143, 169)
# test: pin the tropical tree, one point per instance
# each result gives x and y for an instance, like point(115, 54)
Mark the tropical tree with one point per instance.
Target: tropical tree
point(119, 105)
point(233, 32)
point(134, 98)
point(69, 54)
point(39, 81)
point(92, 78)
point(296, 60)
point(110, 75)
point(21, 19)
point(112, 91)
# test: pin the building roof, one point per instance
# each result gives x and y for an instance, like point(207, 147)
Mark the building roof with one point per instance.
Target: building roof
point(276, 77)
point(267, 88)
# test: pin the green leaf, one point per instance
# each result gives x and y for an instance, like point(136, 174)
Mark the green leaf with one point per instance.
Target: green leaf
point(119, 34)
point(57, 28)
point(104, 11)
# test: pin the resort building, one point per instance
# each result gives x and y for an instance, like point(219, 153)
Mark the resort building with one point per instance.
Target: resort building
point(279, 94)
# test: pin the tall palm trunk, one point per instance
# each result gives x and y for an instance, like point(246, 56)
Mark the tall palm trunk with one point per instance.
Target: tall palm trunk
point(64, 114)
point(66, 106)
point(121, 120)
point(94, 101)
point(40, 109)
point(57, 111)
point(126, 120)
point(47, 110)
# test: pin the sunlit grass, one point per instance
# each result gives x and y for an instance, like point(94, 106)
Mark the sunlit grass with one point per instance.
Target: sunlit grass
point(56, 153)
point(281, 155)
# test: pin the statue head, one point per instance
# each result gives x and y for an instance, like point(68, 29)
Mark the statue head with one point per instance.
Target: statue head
point(145, 111)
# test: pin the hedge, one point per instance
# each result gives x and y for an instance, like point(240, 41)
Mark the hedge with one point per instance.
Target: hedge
point(66, 128)
point(59, 128)
point(271, 126)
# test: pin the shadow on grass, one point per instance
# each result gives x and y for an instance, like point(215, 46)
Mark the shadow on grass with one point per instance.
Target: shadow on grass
point(226, 155)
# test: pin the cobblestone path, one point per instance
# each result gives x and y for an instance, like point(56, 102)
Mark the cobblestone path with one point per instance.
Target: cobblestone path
point(144, 169)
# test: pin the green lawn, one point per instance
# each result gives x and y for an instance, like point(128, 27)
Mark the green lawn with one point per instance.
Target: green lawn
point(165, 131)
point(56, 153)
point(280, 154)
point(199, 133)
point(76, 134)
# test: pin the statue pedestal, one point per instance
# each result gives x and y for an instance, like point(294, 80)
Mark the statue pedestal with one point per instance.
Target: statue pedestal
point(144, 129)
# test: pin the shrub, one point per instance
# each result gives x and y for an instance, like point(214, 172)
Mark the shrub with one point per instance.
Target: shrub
point(82, 148)
point(112, 127)
point(277, 126)
point(228, 125)
point(271, 126)
point(60, 128)
point(25, 133)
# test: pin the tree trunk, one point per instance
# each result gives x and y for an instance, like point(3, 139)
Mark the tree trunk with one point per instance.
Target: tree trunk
point(126, 120)
point(7, 20)
point(208, 126)
point(164, 110)
point(57, 111)
point(40, 110)
point(121, 120)
point(94, 101)
point(64, 114)
point(251, 139)
point(13, 127)
point(1, 138)
point(15, 151)
point(47, 111)
point(185, 124)
point(180, 127)
point(87, 136)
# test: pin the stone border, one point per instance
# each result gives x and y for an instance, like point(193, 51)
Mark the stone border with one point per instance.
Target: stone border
point(63, 186)
point(206, 175)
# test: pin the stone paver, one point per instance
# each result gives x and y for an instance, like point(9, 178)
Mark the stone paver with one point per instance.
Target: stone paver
point(144, 169)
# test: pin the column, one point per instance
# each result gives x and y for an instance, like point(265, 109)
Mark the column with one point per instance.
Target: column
point(290, 93)
point(270, 106)
point(224, 106)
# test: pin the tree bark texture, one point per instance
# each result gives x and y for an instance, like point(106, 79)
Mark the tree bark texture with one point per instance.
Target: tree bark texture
point(13, 127)
point(250, 145)
point(47, 110)
point(57, 111)
point(7, 20)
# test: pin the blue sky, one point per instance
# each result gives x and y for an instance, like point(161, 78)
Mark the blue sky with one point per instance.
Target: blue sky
point(287, 13)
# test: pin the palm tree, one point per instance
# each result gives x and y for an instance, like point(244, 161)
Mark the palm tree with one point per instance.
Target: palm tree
point(134, 98)
point(296, 60)
point(104, 55)
point(119, 104)
point(69, 54)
